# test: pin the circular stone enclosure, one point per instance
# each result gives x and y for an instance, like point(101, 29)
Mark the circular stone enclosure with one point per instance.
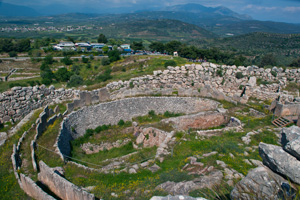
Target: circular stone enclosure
point(90, 117)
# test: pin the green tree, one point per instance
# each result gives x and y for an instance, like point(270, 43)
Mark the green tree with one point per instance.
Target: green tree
point(102, 38)
point(295, 63)
point(47, 76)
point(76, 69)
point(157, 46)
point(173, 46)
point(268, 59)
point(48, 60)
point(62, 75)
point(114, 55)
point(75, 81)
point(6, 45)
point(137, 45)
point(12, 54)
point(105, 49)
point(67, 60)
point(22, 45)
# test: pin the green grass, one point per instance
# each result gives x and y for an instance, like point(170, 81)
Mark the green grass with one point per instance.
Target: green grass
point(9, 185)
point(24, 83)
point(47, 140)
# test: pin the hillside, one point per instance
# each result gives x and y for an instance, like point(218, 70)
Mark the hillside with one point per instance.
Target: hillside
point(9, 10)
point(284, 44)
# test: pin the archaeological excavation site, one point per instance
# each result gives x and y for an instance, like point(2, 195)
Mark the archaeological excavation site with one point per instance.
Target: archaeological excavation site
point(196, 131)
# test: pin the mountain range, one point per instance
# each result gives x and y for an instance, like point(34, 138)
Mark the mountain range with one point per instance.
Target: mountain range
point(218, 20)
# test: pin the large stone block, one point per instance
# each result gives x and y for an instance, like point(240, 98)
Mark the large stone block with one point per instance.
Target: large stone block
point(280, 161)
point(260, 183)
point(290, 140)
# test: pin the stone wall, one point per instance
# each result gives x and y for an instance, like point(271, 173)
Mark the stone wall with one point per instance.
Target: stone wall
point(20, 101)
point(76, 123)
point(188, 80)
point(33, 190)
point(199, 76)
point(26, 183)
point(288, 109)
point(60, 186)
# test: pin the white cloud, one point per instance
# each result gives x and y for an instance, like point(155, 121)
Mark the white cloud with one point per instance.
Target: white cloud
point(292, 9)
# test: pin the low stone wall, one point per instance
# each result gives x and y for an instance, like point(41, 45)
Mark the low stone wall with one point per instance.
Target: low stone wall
point(33, 190)
point(287, 109)
point(60, 186)
point(41, 126)
point(76, 123)
point(26, 183)
point(20, 101)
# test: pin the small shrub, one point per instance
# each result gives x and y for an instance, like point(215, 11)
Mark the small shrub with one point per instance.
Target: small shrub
point(67, 61)
point(12, 54)
point(175, 92)
point(223, 81)
point(75, 80)
point(131, 85)
point(151, 113)
point(274, 73)
point(121, 122)
point(220, 72)
point(239, 75)
point(241, 87)
point(170, 63)
point(0, 61)
point(84, 60)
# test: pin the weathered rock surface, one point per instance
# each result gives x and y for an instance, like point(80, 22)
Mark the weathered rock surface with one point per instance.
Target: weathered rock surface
point(150, 137)
point(280, 161)
point(260, 183)
point(183, 188)
point(290, 138)
point(89, 148)
point(178, 197)
point(3, 138)
point(201, 120)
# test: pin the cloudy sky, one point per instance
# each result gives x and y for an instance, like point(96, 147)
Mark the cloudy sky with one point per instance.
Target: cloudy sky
point(276, 10)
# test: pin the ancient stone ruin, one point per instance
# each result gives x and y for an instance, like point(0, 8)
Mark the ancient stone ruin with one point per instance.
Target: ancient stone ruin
point(273, 179)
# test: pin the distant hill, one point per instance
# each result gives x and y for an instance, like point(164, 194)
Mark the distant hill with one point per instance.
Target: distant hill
point(9, 10)
point(219, 24)
point(200, 9)
point(163, 30)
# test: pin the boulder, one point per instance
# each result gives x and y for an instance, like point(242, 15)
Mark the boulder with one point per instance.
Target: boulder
point(290, 138)
point(252, 81)
point(184, 187)
point(260, 183)
point(3, 138)
point(280, 161)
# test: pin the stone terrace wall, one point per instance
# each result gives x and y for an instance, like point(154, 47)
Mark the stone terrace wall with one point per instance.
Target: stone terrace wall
point(20, 101)
point(76, 123)
point(196, 76)
point(126, 109)
point(60, 186)
point(188, 80)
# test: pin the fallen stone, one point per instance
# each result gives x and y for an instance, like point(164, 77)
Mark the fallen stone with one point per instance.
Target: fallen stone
point(260, 183)
point(210, 154)
point(3, 138)
point(280, 161)
point(184, 187)
point(154, 168)
point(290, 138)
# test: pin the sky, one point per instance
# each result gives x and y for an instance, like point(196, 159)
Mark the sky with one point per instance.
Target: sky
point(274, 10)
